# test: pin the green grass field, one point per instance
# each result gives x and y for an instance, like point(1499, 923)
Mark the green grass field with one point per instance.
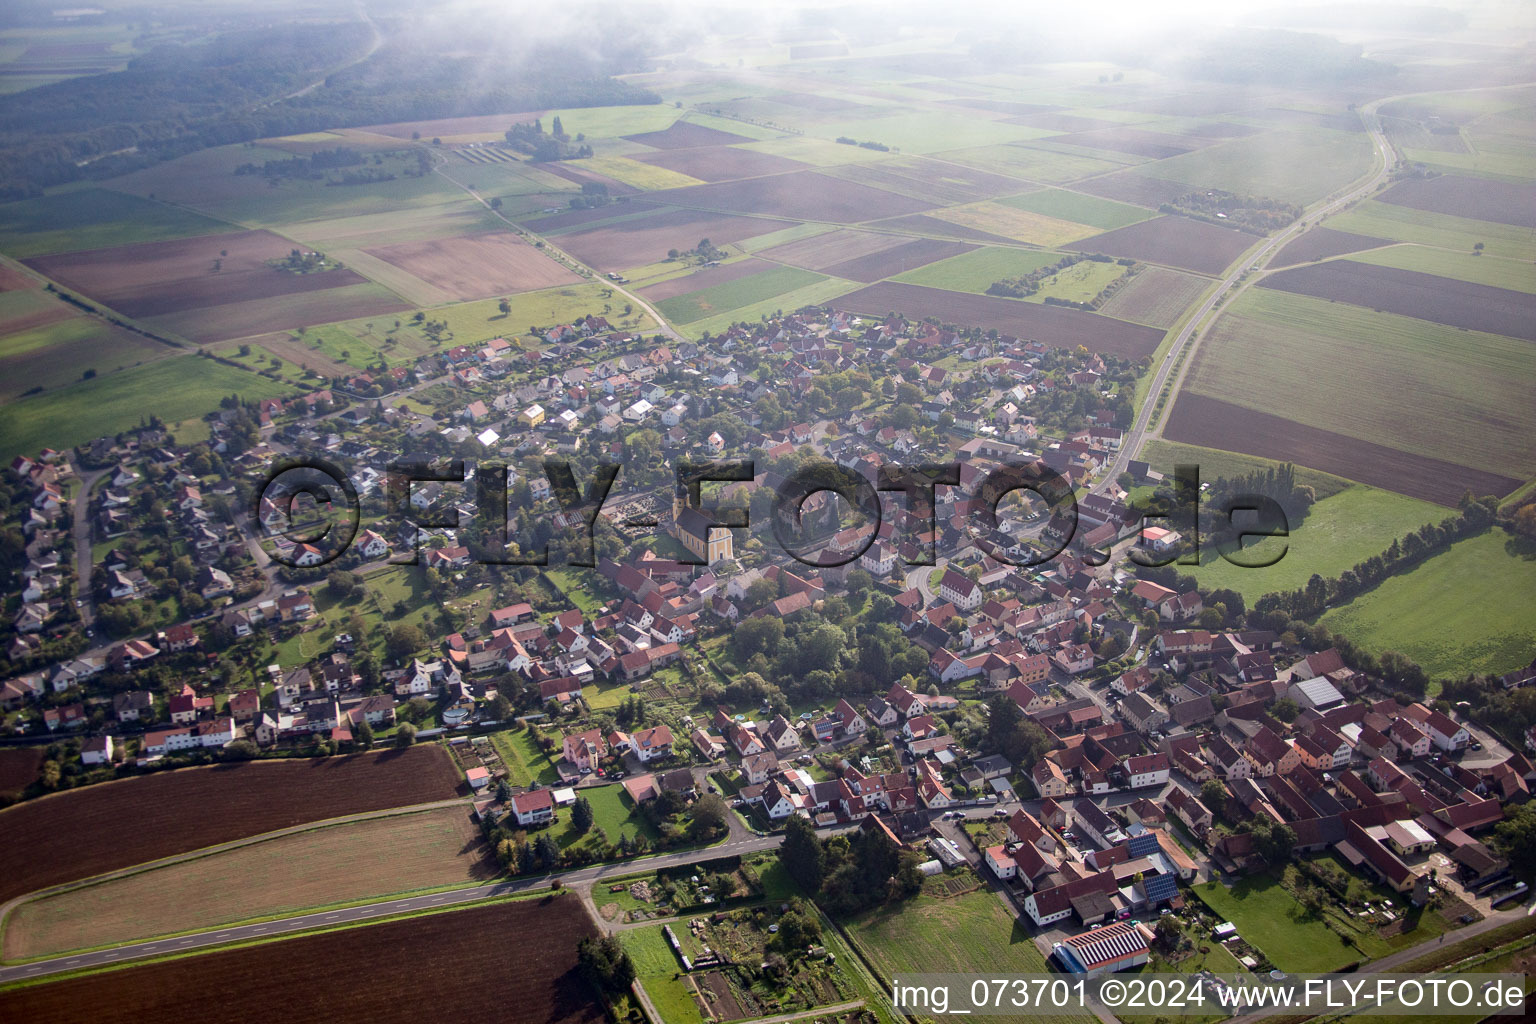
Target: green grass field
point(525, 762)
point(174, 389)
point(722, 298)
point(94, 218)
point(658, 971)
point(1459, 266)
point(1294, 166)
point(1384, 220)
point(1347, 368)
point(57, 354)
point(1084, 209)
point(1267, 916)
point(1338, 533)
point(1471, 608)
point(1163, 455)
point(976, 270)
point(612, 812)
point(1080, 282)
point(930, 131)
point(970, 934)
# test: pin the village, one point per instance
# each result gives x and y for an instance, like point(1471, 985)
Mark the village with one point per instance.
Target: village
point(1090, 735)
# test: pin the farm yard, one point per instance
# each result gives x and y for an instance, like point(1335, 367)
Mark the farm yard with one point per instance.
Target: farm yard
point(456, 962)
point(166, 814)
point(1053, 325)
point(327, 866)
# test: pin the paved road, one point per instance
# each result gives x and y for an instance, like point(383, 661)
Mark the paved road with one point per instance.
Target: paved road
point(1131, 444)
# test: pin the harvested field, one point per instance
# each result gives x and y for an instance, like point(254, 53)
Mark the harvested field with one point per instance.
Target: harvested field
point(803, 195)
point(1053, 325)
point(837, 246)
point(156, 278)
point(1138, 189)
point(257, 316)
point(814, 101)
point(56, 352)
point(18, 769)
point(574, 173)
point(480, 125)
point(1156, 297)
point(719, 163)
point(923, 224)
point(477, 266)
point(362, 860)
point(1320, 243)
point(1134, 141)
point(180, 811)
point(12, 280)
point(1176, 241)
point(922, 178)
point(1018, 224)
point(575, 218)
point(708, 277)
point(683, 135)
point(1058, 122)
point(456, 964)
point(1104, 214)
point(1477, 307)
point(27, 310)
point(634, 243)
point(1503, 202)
point(1010, 107)
point(1199, 420)
point(914, 254)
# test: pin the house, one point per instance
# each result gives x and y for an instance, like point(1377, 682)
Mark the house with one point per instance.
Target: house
point(1143, 714)
point(1050, 781)
point(1270, 754)
point(133, 705)
point(758, 768)
point(652, 744)
point(961, 591)
point(1188, 809)
point(96, 750)
point(1145, 770)
point(536, 807)
point(584, 749)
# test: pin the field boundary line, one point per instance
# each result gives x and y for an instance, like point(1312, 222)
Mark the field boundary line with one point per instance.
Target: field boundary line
point(208, 851)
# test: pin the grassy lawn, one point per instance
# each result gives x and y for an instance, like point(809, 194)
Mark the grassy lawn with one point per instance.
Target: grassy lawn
point(1345, 368)
point(525, 762)
point(56, 355)
point(572, 583)
point(1080, 282)
point(968, 934)
point(1339, 532)
point(1267, 916)
point(174, 389)
point(976, 270)
point(1163, 455)
point(612, 812)
point(1471, 608)
point(822, 291)
point(657, 969)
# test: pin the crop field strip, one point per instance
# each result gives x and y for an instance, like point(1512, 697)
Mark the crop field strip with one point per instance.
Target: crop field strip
point(1156, 297)
point(1309, 360)
point(648, 239)
point(890, 262)
point(477, 266)
point(1174, 241)
point(456, 962)
point(1476, 307)
point(167, 814)
point(1404, 224)
point(731, 295)
point(1320, 243)
point(1054, 325)
point(800, 195)
point(836, 246)
point(1500, 202)
point(977, 270)
point(720, 163)
point(363, 860)
point(706, 277)
point(1209, 422)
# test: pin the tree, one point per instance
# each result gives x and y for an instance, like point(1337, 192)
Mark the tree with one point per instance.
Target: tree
point(802, 854)
point(606, 962)
point(1285, 709)
point(405, 735)
point(1515, 838)
point(547, 851)
point(404, 640)
point(342, 583)
point(501, 708)
point(504, 306)
point(581, 815)
point(363, 734)
point(241, 750)
point(708, 816)
point(1214, 795)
